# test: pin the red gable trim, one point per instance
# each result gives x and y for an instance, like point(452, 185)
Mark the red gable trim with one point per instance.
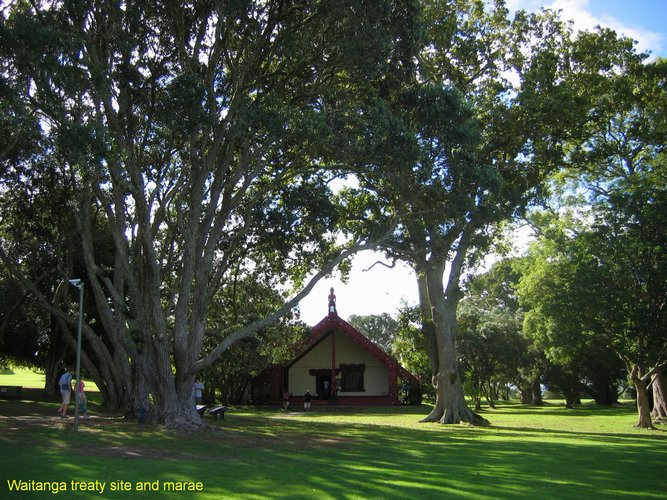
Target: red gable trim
point(333, 323)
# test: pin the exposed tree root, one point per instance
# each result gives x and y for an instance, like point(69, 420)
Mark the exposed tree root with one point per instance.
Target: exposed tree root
point(650, 427)
point(183, 419)
point(456, 416)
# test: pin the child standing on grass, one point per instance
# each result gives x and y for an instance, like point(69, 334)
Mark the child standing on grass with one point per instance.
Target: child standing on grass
point(83, 401)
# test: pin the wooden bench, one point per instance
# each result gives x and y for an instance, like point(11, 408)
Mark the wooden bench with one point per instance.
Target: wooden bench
point(11, 391)
point(218, 410)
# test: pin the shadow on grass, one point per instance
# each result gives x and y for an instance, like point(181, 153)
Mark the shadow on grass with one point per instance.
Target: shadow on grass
point(36, 402)
point(383, 461)
point(602, 437)
point(260, 454)
point(584, 410)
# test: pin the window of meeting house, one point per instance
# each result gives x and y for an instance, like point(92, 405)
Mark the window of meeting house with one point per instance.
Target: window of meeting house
point(352, 378)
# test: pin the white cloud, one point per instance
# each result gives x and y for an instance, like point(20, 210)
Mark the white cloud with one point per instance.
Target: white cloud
point(580, 13)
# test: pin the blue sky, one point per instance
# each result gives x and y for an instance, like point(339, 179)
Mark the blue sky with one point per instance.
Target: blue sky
point(642, 20)
point(382, 290)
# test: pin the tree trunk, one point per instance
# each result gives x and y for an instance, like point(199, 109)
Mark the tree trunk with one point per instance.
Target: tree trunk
point(173, 398)
point(181, 416)
point(491, 396)
point(536, 393)
point(53, 364)
point(526, 395)
point(53, 367)
point(570, 399)
point(450, 407)
point(643, 402)
point(505, 392)
point(643, 406)
point(659, 386)
point(604, 392)
point(494, 391)
point(531, 392)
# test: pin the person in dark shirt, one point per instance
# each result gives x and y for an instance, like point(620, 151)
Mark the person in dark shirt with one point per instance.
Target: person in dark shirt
point(306, 400)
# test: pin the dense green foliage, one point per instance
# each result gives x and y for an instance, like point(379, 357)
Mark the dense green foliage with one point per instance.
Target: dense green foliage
point(492, 348)
point(198, 140)
point(180, 158)
point(228, 381)
point(595, 282)
point(467, 139)
point(381, 329)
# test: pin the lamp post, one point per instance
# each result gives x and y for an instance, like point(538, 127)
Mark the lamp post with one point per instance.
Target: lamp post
point(78, 284)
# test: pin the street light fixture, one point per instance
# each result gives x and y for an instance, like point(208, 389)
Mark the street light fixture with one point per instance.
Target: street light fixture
point(78, 284)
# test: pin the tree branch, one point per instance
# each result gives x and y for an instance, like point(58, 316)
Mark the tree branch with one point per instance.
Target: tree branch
point(256, 326)
point(379, 262)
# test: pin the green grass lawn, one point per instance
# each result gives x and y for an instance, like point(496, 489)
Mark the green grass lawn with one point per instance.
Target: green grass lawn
point(31, 379)
point(528, 452)
point(22, 376)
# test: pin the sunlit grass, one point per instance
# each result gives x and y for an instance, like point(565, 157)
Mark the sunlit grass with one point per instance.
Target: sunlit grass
point(528, 452)
point(25, 377)
point(29, 378)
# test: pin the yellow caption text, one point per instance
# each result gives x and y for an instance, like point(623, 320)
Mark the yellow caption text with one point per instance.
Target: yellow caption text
point(101, 487)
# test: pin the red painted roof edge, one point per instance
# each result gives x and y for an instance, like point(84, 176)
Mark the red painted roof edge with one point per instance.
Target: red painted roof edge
point(334, 322)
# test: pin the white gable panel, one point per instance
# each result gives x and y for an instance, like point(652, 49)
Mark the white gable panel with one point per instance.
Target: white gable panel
point(347, 352)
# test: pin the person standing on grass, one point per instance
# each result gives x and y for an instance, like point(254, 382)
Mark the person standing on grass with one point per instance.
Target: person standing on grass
point(65, 384)
point(285, 400)
point(199, 391)
point(306, 400)
point(83, 401)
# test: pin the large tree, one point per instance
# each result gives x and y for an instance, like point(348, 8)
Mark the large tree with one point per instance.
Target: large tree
point(618, 165)
point(601, 291)
point(556, 289)
point(466, 139)
point(196, 135)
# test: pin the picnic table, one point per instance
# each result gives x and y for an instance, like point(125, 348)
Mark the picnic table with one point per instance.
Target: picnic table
point(218, 410)
point(11, 391)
